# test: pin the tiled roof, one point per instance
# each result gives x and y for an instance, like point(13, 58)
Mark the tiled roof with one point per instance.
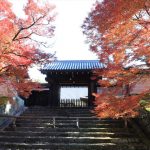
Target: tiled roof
point(73, 65)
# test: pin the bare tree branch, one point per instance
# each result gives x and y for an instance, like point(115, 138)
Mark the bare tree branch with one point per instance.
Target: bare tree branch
point(25, 28)
point(24, 37)
point(147, 10)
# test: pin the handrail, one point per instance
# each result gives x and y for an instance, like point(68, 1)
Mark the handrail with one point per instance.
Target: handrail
point(37, 117)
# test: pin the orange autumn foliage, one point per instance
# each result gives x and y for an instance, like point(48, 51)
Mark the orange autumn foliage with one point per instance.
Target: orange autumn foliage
point(119, 33)
point(115, 107)
point(20, 43)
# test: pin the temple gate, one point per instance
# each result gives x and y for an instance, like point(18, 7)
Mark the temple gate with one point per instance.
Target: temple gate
point(73, 73)
point(66, 73)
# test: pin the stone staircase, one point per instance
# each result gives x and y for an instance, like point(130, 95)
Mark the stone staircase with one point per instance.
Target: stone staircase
point(68, 129)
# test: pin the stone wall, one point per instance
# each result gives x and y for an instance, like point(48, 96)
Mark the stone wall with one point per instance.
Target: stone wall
point(13, 108)
point(144, 121)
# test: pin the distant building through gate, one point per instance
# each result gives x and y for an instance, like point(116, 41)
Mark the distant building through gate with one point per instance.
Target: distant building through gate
point(68, 73)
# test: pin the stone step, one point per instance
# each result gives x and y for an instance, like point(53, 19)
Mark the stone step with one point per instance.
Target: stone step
point(67, 134)
point(75, 129)
point(59, 119)
point(44, 108)
point(73, 146)
point(45, 119)
point(49, 139)
point(57, 112)
point(67, 125)
point(35, 130)
point(51, 115)
point(65, 120)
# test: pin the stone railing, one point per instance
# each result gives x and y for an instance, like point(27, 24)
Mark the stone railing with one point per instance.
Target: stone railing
point(144, 121)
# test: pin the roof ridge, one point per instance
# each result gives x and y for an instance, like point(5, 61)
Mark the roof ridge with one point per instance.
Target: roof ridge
point(75, 60)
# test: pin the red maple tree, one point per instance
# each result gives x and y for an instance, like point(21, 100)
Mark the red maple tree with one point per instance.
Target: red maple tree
point(119, 33)
point(20, 42)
